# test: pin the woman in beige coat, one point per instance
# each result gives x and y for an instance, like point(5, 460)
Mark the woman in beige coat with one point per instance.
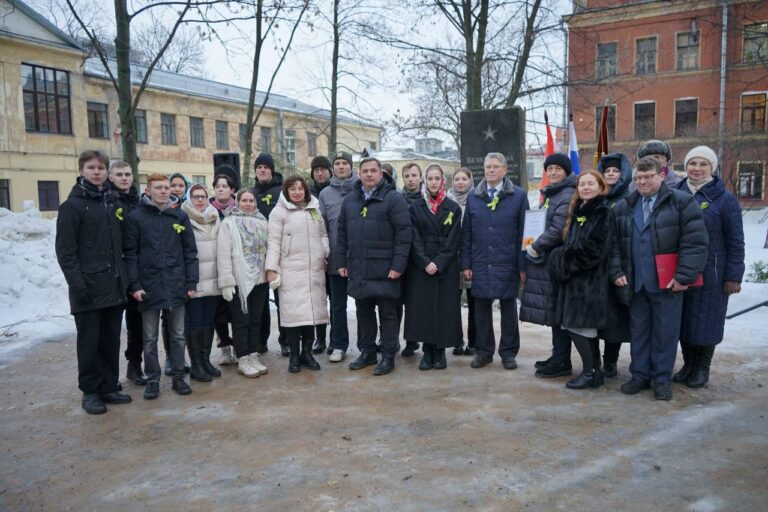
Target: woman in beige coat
point(296, 260)
point(201, 310)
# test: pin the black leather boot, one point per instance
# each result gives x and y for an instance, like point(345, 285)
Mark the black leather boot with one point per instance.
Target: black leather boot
point(427, 359)
point(92, 404)
point(386, 365)
point(700, 374)
point(438, 357)
point(135, 374)
point(366, 358)
point(194, 347)
point(320, 345)
point(689, 362)
point(284, 350)
point(610, 368)
point(294, 357)
point(410, 348)
point(207, 344)
point(586, 379)
point(307, 359)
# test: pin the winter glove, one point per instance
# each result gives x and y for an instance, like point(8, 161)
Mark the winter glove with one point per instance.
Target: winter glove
point(732, 287)
point(228, 292)
point(82, 297)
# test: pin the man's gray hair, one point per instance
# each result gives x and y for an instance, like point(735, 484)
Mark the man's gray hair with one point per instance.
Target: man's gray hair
point(496, 156)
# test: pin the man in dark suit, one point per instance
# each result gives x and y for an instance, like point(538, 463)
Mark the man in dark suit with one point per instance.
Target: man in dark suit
point(655, 220)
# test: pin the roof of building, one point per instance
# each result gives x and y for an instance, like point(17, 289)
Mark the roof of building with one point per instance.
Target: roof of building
point(67, 41)
point(201, 87)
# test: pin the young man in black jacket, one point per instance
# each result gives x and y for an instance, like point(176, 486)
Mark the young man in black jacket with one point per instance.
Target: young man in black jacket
point(89, 251)
point(121, 177)
point(161, 259)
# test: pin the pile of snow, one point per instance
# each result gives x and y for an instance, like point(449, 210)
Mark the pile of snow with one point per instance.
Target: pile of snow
point(33, 293)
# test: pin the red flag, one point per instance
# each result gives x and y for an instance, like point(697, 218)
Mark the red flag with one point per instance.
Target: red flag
point(550, 149)
point(602, 138)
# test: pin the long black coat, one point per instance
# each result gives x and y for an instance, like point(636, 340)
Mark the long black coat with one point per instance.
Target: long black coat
point(432, 306)
point(374, 237)
point(89, 248)
point(704, 307)
point(539, 298)
point(267, 194)
point(579, 266)
point(677, 226)
point(160, 255)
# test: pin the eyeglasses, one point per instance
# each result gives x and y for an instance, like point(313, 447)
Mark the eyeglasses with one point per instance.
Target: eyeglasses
point(199, 198)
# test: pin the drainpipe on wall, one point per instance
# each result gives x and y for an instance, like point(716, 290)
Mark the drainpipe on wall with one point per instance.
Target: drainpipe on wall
point(281, 134)
point(723, 69)
point(565, 79)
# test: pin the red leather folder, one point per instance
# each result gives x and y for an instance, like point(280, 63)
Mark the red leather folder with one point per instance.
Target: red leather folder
point(666, 268)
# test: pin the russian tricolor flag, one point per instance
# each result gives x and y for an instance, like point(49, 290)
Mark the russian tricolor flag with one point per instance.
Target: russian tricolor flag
point(573, 147)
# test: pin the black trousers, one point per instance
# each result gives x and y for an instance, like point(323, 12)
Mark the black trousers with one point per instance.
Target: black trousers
point(367, 327)
point(134, 349)
point(471, 328)
point(301, 333)
point(222, 321)
point(246, 326)
point(509, 345)
point(561, 345)
point(98, 349)
point(339, 328)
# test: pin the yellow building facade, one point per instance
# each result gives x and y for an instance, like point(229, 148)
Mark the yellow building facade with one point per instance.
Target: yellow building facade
point(55, 104)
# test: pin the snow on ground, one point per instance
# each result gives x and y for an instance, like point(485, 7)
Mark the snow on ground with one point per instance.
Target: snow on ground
point(33, 293)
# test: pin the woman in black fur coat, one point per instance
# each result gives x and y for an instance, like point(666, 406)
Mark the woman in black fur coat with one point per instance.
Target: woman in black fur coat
point(584, 302)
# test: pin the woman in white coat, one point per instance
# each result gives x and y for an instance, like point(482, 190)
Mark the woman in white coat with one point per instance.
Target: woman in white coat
point(201, 310)
point(296, 261)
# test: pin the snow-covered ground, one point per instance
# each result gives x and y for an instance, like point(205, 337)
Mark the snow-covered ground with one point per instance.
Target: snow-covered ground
point(34, 306)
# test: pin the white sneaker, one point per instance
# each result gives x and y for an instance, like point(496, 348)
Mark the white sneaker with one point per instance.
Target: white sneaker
point(337, 355)
point(227, 356)
point(257, 365)
point(247, 369)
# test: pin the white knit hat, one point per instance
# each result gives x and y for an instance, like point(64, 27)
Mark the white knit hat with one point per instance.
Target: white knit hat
point(702, 152)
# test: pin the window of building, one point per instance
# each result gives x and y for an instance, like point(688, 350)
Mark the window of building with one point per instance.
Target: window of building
point(610, 121)
point(266, 139)
point(98, 120)
point(222, 135)
point(5, 194)
point(686, 117)
point(143, 180)
point(312, 144)
point(645, 56)
point(46, 99)
point(645, 120)
point(290, 148)
point(753, 113)
point(168, 129)
point(141, 126)
point(751, 180)
point(196, 132)
point(606, 59)
point(756, 43)
point(687, 51)
point(199, 179)
point(372, 145)
point(243, 134)
point(48, 195)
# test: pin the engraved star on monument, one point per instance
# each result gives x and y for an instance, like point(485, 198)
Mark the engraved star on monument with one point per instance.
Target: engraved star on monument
point(489, 133)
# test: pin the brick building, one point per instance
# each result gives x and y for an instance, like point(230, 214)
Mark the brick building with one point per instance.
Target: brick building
point(662, 69)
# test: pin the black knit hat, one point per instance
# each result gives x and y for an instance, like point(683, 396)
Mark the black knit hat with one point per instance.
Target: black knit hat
point(320, 161)
point(343, 155)
point(655, 147)
point(265, 159)
point(560, 159)
point(611, 160)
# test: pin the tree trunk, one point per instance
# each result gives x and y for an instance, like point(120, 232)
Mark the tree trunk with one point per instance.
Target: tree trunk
point(475, 52)
point(250, 122)
point(334, 79)
point(522, 62)
point(124, 89)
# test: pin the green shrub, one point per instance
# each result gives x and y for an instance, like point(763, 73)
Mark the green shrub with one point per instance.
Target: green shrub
point(758, 272)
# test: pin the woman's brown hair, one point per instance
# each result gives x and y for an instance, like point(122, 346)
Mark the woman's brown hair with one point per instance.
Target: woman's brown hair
point(288, 183)
point(575, 199)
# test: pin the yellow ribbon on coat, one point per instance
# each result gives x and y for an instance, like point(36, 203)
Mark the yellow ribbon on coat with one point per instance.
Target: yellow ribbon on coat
point(179, 228)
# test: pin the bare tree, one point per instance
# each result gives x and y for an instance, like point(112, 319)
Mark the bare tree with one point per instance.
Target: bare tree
point(185, 54)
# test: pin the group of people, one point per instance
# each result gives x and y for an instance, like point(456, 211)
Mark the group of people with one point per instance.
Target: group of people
point(183, 266)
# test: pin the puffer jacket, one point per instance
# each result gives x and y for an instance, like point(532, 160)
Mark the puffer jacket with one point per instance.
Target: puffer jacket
point(205, 226)
point(297, 250)
point(267, 194)
point(704, 307)
point(491, 240)
point(89, 248)
point(160, 254)
point(331, 198)
point(677, 226)
point(620, 189)
point(374, 238)
point(539, 298)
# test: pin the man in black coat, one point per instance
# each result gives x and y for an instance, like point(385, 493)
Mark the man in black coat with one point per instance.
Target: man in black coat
point(121, 177)
point(267, 191)
point(652, 221)
point(89, 250)
point(374, 241)
point(320, 170)
point(161, 258)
